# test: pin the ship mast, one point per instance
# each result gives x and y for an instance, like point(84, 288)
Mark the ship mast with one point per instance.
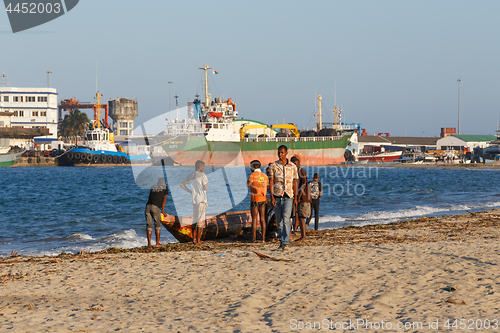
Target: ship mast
point(207, 101)
point(98, 109)
point(319, 125)
point(335, 111)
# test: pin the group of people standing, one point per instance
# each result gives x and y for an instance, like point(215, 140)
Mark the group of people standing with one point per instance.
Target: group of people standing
point(291, 195)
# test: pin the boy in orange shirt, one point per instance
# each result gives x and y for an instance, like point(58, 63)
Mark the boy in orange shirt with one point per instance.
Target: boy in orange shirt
point(258, 182)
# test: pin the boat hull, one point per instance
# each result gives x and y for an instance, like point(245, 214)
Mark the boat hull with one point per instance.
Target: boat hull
point(7, 160)
point(86, 156)
point(220, 226)
point(384, 157)
point(310, 151)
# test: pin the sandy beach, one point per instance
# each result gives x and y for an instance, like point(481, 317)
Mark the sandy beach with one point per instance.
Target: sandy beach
point(404, 277)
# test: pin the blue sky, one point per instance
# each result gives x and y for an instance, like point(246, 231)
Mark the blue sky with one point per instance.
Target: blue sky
point(395, 63)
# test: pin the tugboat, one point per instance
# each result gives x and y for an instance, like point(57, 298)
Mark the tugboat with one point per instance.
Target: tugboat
point(99, 147)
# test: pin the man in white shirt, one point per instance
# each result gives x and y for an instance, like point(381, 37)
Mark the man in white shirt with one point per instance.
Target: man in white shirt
point(199, 187)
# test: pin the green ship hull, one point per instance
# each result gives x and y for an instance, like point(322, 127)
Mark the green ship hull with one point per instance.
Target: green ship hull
point(311, 151)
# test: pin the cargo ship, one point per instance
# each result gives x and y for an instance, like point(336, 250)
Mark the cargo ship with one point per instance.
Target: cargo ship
point(212, 132)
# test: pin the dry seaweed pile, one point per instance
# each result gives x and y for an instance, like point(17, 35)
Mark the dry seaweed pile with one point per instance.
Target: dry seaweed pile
point(462, 228)
point(458, 228)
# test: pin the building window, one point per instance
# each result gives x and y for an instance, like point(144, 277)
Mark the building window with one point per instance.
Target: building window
point(42, 99)
point(2, 124)
point(35, 113)
point(6, 98)
point(130, 125)
point(16, 99)
point(43, 113)
point(21, 113)
point(30, 98)
point(123, 125)
point(123, 132)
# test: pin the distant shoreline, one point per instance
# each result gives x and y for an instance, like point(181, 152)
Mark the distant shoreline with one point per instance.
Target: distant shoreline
point(491, 165)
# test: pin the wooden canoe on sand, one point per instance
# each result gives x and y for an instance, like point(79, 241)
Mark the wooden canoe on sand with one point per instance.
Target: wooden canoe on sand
point(219, 226)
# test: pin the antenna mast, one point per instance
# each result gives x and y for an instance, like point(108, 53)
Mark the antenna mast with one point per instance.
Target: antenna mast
point(48, 78)
point(335, 104)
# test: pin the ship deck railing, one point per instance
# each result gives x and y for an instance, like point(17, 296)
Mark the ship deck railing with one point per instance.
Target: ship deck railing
point(292, 139)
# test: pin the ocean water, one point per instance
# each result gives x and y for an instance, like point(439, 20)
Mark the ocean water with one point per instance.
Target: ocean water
point(45, 211)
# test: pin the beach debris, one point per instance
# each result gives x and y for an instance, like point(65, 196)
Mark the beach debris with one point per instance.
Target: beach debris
point(11, 277)
point(13, 253)
point(455, 301)
point(30, 306)
point(450, 288)
point(222, 255)
point(242, 255)
point(96, 307)
point(264, 257)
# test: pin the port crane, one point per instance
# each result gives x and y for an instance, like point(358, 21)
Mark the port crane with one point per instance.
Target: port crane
point(73, 104)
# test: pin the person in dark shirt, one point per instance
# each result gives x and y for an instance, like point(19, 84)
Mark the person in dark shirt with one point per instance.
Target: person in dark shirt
point(316, 190)
point(155, 208)
point(300, 182)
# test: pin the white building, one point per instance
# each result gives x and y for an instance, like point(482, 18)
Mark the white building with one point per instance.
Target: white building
point(459, 142)
point(32, 108)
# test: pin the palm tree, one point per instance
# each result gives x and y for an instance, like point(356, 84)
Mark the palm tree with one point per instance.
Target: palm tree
point(74, 124)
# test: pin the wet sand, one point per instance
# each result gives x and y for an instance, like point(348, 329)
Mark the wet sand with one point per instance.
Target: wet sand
point(408, 273)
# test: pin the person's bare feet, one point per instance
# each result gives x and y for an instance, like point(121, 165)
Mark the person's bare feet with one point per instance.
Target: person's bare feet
point(158, 244)
point(301, 239)
point(201, 244)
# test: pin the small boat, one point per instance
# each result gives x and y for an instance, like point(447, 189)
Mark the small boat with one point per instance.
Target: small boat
point(219, 226)
point(9, 157)
point(414, 157)
point(387, 156)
